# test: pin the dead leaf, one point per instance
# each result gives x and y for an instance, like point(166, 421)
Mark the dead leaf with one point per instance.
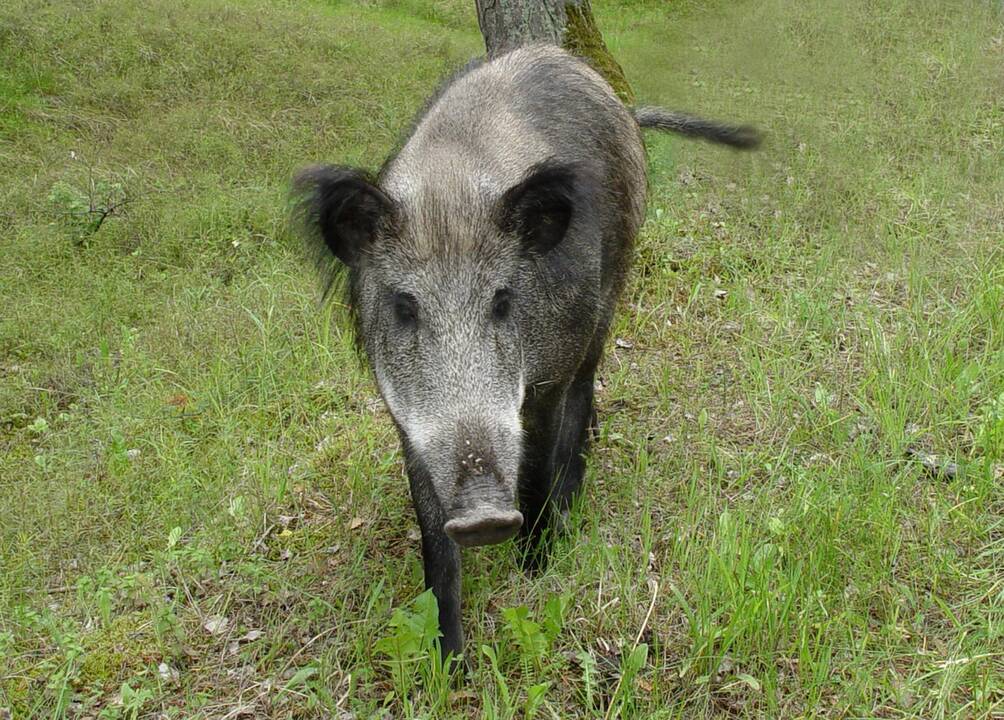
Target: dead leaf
point(251, 636)
point(167, 673)
point(217, 625)
point(933, 466)
point(459, 695)
point(356, 523)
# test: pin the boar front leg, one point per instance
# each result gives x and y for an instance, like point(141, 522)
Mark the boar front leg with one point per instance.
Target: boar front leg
point(440, 558)
point(570, 441)
point(553, 462)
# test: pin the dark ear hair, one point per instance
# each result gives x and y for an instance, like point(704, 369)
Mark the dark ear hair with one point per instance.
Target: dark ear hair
point(539, 209)
point(340, 207)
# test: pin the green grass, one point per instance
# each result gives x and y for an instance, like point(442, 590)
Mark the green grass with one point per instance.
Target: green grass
point(203, 512)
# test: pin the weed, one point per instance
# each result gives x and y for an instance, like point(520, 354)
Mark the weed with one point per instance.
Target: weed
point(83, 212)
point(412, 650)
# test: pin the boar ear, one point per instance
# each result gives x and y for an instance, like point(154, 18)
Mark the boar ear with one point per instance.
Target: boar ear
point(340, 207)
point(539, 209)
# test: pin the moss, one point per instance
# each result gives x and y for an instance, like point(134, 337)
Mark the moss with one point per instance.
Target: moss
point(118, 652)
point(583, 38)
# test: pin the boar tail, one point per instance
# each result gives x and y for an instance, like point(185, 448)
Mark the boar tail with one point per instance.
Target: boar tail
point(745, 137)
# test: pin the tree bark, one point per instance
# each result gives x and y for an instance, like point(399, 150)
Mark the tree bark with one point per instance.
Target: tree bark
point(508, 24)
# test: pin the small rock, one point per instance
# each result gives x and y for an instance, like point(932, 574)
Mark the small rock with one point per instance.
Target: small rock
point(133, 454)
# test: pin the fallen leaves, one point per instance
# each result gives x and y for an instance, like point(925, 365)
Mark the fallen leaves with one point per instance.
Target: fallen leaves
point(179, 400)
point(216, 625)
point(933, 466)
point(166, 673)
point(249, 637)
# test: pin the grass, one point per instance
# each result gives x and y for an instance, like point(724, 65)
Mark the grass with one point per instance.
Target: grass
point(203, 512)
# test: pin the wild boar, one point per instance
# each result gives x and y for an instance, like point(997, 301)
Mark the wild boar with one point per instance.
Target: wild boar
point(484, 264)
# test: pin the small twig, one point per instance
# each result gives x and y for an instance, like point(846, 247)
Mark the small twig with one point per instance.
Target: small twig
point(306, 645)
point(260, 540)
point(637, 640)
point(648, 615)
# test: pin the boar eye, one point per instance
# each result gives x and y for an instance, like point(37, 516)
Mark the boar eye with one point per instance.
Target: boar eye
point(405, 308)
point(502, 304)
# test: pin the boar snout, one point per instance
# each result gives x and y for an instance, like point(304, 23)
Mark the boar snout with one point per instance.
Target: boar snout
point(482, 514)
point(484, 526)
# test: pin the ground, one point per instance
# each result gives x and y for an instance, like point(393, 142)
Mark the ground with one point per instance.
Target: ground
point(795, 505)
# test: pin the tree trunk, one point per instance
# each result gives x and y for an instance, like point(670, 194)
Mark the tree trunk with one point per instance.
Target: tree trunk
point(507, 24)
